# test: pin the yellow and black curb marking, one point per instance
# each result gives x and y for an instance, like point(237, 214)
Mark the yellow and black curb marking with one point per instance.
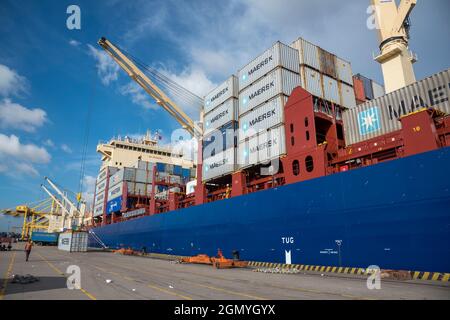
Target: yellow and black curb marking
point(434, 276)
point(415, 275)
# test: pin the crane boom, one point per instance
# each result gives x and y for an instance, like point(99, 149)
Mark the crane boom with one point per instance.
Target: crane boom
point(150, 87)
point(55, 199)
point(73, 207)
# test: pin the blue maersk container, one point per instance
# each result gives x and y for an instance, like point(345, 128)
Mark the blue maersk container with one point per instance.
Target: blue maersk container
point(114, 205)
point(45, 238)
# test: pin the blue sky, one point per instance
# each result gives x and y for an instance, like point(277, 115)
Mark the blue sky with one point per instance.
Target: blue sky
point(50, 76)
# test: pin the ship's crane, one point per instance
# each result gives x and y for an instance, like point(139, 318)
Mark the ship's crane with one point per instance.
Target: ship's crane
point(393, 34)
point(73, 213)
point(150, 87)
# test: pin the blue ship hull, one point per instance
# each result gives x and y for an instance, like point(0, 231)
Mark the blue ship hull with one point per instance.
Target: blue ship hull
point(395, 215)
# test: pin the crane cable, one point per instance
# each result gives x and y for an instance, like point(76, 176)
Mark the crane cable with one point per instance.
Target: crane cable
point(154, 73)
point(86, 139)
point(163, 80)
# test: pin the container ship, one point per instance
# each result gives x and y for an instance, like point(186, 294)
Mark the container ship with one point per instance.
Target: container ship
point(299, 161)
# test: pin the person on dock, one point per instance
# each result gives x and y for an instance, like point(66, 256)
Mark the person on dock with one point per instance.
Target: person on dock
point(28, 247)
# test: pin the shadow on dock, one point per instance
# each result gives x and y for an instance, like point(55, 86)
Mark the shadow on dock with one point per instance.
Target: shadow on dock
point(44, 283)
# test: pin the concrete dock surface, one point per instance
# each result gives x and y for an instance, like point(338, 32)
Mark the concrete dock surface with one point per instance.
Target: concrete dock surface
point(106, 276)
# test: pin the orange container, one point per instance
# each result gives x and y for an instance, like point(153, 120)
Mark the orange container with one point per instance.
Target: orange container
point(358, 86)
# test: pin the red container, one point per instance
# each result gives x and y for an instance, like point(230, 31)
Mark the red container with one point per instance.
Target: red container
point(358, 86)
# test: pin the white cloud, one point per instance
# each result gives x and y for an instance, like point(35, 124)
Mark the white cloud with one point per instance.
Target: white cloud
point(196, 81)
point(11, 83)
point(10, 146)
point(138, 95)
point(49, 143)
point(66, 148)
point(192, 79)
point(107, 68)
point(18, 159)
point(92, 162)
point(220, 38)
point(13, 115)
point(74, 43)
point(26, 169)
point(88, 189)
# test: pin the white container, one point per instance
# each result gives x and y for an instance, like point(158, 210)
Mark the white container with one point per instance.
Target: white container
point(308, 53)
point(348, 99)
point(105, 172)
point(144, 165)
point(140, 189)
point(169, 178)
point(73, 241)
point(115, 191)
point(279, 55)
point(141, 175)
point(125, 174)
point(222, 93)
point(100, 187)
point(378, 90)
point(278, 81)
point(100, 197)
point(311, 81)
point(344, 71)
point(99, 209)
point(116, 178)
point(79, 242)
point(262, 148)
point(221, 164)
point(102, 175)
point(221, 115)
point(190, 186)
point(164, 195)
point(129, 174)
point(380, 116)
point(330, 89)
point(263, 117)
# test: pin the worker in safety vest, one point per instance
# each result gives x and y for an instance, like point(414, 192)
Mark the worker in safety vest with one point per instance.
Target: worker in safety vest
point(28, 247)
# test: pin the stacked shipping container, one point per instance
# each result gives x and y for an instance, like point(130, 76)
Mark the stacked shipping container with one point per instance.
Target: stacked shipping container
point(325, 75)
point(113, 183)
point(220, 125)
point(132, 181)
point(367, 88)
point(264, 85)
point(381, 116)
point(101, 190)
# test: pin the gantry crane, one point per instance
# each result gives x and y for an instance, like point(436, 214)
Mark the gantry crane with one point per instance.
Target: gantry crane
point(37, 217)
point(393, 34)
point(74, 214)
point(150, 87)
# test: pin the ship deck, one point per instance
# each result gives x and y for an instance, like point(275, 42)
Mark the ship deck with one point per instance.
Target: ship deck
point(105, 275)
